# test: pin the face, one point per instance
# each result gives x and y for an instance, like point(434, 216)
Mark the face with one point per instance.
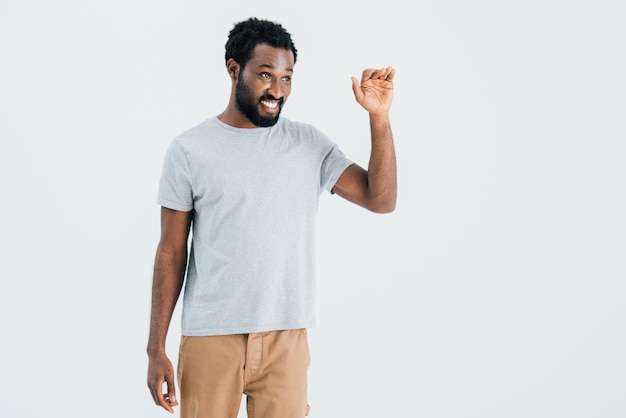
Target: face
point(264, 85)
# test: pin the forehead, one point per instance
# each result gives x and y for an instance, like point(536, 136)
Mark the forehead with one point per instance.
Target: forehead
point(265, 56)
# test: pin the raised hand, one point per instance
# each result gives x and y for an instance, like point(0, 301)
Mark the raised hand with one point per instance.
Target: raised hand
point(375, 92)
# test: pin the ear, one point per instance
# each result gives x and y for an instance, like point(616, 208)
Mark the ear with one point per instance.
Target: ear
point(233, 68)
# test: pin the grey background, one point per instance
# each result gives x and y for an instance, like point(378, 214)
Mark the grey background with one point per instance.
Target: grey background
point(497, 287)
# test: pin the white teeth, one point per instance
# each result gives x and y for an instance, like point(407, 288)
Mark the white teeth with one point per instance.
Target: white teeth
point(270, 104)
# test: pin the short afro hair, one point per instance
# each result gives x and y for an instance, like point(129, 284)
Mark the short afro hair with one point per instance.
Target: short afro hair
point(247, 34)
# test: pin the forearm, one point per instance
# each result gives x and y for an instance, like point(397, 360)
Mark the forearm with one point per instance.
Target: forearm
point(381, 172)
point(169, 272)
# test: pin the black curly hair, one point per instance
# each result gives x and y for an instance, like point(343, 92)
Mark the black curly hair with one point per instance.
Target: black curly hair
point(247, 34)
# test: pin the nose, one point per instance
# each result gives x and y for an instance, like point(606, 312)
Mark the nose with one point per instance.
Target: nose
point(275, 89)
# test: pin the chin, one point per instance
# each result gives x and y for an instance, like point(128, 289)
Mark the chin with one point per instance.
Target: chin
point(262, 122)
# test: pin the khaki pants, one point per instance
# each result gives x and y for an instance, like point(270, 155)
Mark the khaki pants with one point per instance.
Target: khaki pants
point(269, 367)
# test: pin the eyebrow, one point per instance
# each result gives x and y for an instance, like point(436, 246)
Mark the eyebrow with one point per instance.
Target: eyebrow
point(271, 67)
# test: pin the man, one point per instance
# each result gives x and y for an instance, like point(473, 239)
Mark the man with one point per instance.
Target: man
point(248, 183)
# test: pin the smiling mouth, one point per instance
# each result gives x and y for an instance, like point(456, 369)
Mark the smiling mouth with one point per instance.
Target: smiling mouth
point(271, 105)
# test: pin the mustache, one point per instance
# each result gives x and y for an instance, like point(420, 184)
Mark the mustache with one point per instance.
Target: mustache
point(272, 98)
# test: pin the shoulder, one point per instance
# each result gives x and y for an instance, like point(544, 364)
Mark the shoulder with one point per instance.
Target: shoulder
point(199, 131)
point(192, 140)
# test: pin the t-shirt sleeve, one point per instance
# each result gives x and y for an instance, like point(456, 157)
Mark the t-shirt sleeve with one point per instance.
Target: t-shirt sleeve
point(175, 187)
point(334, 164)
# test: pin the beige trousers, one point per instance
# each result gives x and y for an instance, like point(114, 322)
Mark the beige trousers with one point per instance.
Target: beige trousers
point(269, 367)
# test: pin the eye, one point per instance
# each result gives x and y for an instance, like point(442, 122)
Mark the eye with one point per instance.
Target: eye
point(286, 78)
point(265, 75)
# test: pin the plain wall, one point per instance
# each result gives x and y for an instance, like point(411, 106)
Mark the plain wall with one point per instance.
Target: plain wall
point(496, 289)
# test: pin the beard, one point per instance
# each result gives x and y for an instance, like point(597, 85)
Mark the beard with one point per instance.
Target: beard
point(249, 106)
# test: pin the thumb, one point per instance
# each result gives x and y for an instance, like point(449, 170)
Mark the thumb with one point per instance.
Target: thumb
point(358, 93)
point(171, 392)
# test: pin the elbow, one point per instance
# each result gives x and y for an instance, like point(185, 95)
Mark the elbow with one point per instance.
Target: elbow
point(384, 202)
point(383, 206)
point(384, 209)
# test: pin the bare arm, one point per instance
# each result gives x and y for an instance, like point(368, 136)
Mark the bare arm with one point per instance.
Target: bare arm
point(169, 272)
point(375, 188)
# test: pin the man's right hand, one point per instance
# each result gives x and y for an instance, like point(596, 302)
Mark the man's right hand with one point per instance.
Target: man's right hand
point(160, 371)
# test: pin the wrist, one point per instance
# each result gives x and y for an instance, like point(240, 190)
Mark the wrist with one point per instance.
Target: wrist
point(155, 350)
point(379, 116)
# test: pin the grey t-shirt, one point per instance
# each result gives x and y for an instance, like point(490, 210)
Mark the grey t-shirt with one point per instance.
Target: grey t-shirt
point(254, 193)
